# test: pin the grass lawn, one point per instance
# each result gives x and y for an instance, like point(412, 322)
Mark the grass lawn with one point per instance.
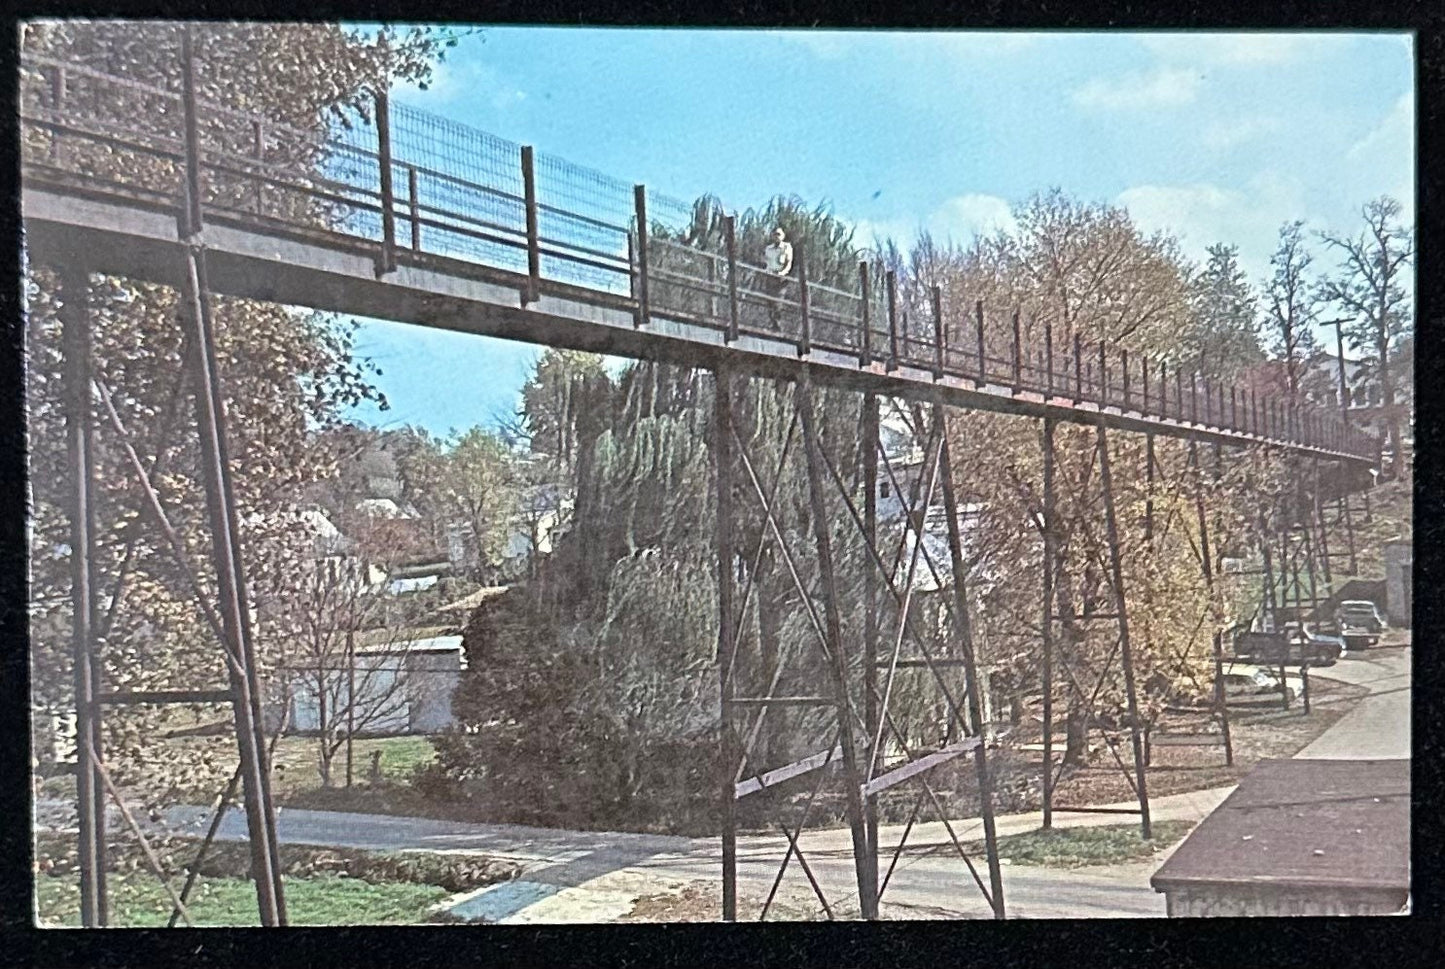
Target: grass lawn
point(295, 767)
point(1110, 844)
point(138, 900)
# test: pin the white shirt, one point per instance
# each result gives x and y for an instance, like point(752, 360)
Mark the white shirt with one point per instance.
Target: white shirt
point(779, 257)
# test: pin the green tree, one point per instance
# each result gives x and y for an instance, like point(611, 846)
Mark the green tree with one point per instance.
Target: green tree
point(1225, 336)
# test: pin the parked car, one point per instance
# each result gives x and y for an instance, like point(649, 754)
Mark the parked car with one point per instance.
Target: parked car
point(1360, 623)
point(1315, 643)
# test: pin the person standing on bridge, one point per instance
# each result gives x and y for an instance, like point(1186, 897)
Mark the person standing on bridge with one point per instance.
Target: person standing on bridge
point(778, 260)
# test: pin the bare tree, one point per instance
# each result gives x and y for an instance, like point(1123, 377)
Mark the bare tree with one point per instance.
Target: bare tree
point(1291, 302)
point(1370, 286)
point(325, 631)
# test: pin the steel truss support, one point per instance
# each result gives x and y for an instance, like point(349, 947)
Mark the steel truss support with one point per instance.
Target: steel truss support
point(1206, 559)
point(80, 445)
point(1055, 573)
point(858, 761)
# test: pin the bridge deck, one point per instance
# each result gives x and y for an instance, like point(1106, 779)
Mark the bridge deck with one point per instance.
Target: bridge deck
point(580, 263)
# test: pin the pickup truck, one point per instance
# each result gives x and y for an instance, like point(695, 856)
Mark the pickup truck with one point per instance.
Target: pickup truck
point(1293, 645)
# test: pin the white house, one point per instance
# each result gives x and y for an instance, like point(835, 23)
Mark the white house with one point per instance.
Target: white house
point(401, 688)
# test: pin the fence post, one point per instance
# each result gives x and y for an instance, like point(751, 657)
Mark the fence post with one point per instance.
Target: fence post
point(388, 212)
point(1049, 358)
point(258, 151)
point(1018, 362)
point(1144, 381)
point(413, 203)
point(865, 344)
point(1103, 374)
point(534, 246)
point(1205, 382)
point(1179, 392)
point(892, 281)
point(730, 241)
point(805, 336)
point(1233, 409)
point(57, 105)
point(644, 295)
point(1194, 396)
point(982, 358)
point(1078, 369)
point(1124, 365)
point(938, 335)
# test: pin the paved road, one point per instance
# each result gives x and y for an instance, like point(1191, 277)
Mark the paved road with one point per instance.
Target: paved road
point(1379, 726)
point(593, 876)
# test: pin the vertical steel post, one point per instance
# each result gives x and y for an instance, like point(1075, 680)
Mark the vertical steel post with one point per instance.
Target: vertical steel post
point(1144, 382)
point(1048, 621)
point(867, 889)
point(1163, 388)
point(805, 335)
point(80, 453)
point(57, 105)
point(413, 204)
point(1221, 708)
point(644, 273)
point(1233, 409)
point(723, 469)
point(1204, 383)
point(1124, 366)
point(865, 341)
point(892, 281)
point(383, 154)
point(531, 214)
point(1018, 354)
point(939, 342)
point(258, 152)
point(730, 243)
point(1121, 607)
point(1078, 369)
point(1149, 463)
point(871, 713)
point(1049, 359)
point(224, 527)
point(970, 661)
point(978, 333)
point(1103, 374)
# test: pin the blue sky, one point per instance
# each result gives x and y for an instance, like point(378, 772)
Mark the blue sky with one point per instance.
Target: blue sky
point(1212, 137)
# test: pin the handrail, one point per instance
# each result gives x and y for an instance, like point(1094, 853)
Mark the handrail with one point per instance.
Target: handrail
point(1099, 376)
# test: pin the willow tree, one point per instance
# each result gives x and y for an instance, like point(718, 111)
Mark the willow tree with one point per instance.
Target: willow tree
point(285, 374)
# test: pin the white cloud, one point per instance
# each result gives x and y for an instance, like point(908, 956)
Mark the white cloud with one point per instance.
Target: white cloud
point(1165, 87)
point(959, 219)
point(1224, 135)
point(1202, 214)
point(1245, 49)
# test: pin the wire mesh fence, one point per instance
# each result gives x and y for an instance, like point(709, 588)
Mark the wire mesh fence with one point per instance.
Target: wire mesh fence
point(461, 193)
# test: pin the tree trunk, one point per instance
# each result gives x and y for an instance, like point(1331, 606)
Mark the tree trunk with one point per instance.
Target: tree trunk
point(1076, 735)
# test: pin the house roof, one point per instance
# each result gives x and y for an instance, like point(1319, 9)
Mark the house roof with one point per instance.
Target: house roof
point(469, 602)
point(395, 638)
point(429, 644)
point(1303, 824)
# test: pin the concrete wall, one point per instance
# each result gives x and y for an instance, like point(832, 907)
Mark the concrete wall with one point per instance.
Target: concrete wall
point(1228, 901)
point(1399, 562)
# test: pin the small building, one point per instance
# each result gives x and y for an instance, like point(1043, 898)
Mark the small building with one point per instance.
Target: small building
point(1299, 837)
point(402, 687)
point(1399, 569)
